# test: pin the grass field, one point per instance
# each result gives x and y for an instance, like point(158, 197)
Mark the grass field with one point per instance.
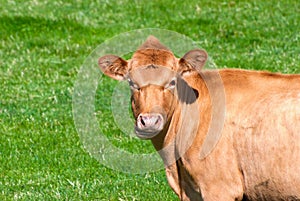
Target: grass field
point(42, 47)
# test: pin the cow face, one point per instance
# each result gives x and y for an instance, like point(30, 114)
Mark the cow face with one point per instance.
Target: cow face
point(153, 74)
point(153, 89)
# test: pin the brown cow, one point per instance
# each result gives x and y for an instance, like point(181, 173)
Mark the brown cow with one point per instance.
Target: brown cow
point(257, 154)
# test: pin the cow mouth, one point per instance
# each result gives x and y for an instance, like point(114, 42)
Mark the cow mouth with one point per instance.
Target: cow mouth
point(146, 133)
point(149, 125)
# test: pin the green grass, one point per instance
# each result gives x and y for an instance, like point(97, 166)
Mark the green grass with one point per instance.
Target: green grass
point(44, 43)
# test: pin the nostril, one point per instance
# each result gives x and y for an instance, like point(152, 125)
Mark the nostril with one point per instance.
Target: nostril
point(158, 120)
point(142, 121)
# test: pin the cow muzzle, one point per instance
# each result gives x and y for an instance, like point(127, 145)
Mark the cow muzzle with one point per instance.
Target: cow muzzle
point(148, 125)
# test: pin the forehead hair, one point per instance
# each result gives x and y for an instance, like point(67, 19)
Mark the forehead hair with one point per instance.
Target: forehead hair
point(157, 57)
point(152, 74)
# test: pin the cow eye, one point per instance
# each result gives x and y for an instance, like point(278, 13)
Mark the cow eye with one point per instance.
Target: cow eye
point(133, 85)
point(171, 84)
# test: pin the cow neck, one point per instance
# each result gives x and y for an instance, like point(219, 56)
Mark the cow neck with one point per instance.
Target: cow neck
point(165, 142)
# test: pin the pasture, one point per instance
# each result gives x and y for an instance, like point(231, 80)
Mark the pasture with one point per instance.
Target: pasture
point(42, 47)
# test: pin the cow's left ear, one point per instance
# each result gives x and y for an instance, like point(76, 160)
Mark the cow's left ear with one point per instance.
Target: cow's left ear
point(113, 66)
point(192, 60)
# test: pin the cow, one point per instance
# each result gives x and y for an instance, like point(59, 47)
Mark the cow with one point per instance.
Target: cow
point(255, 151)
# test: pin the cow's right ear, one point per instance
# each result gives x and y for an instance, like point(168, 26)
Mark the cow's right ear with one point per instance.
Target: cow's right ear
point(113, 66)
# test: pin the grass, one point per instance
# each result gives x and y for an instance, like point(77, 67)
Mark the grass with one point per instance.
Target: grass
point(44, 43)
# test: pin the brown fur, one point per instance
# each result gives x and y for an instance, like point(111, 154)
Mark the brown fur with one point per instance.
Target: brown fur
point(258, 154)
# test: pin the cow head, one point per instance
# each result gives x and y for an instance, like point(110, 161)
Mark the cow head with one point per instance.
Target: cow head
point(153, 74)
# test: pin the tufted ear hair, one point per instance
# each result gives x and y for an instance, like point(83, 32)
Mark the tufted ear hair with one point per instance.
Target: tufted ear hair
point(113, 66)
point(192, 60)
